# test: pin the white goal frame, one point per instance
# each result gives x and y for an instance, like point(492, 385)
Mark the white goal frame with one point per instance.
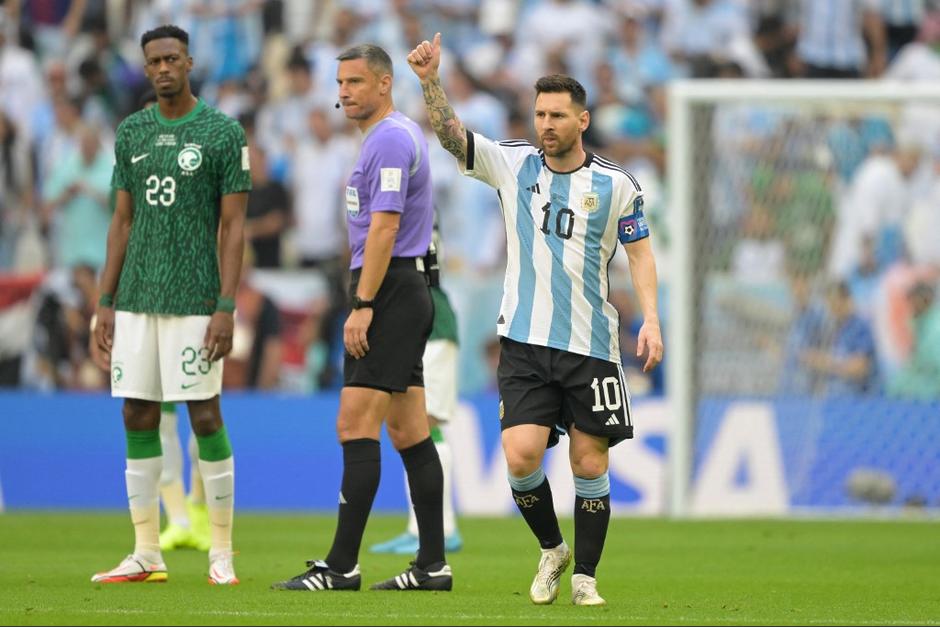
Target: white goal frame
point(683, 96)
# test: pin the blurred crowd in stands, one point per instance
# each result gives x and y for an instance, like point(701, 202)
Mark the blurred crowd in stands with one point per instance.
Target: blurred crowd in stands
point(832, 229)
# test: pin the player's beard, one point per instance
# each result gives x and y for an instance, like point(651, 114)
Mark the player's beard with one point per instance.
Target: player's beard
point(562, 148)
point(168, 90)
point(364, 113)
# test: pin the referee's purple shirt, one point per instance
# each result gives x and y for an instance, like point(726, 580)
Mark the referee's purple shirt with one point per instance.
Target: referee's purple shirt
point(383, 181)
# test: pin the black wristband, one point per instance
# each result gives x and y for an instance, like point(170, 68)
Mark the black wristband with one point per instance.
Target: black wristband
point(359, 303)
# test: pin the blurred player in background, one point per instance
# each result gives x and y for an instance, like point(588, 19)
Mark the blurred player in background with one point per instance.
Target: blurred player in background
point(559, 368)
point(187, 518)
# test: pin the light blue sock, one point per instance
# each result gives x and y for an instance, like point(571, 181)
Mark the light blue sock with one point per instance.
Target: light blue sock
point(524, 484)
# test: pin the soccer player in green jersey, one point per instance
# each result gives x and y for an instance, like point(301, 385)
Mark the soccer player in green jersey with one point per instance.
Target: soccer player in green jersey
point(165, 314)
point(187, 520)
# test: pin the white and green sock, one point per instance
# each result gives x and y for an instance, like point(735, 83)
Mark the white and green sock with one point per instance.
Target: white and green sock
point(144, 464)
point(172, 492)
point(218, 474)
point(197, 491)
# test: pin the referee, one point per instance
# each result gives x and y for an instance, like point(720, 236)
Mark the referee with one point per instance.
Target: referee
point(390, 218)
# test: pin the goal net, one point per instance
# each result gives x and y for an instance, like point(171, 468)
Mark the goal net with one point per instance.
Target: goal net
point(803, 340)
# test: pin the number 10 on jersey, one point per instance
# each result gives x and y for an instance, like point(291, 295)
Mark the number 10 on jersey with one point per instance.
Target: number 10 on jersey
point(564, 221)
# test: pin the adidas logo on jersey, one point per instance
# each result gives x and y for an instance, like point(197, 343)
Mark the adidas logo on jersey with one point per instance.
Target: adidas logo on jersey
point(612, 421)
point(534, 189)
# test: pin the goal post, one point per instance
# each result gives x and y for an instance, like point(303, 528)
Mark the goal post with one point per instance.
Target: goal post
point(731, 305)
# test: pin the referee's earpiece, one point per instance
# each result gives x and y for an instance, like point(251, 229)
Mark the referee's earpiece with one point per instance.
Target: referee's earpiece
point(337, 105)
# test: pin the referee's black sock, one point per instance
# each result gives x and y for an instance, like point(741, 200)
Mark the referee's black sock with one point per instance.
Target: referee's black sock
point(591, 519)
point(533, 497)
point(361, 470)
point(426, 483)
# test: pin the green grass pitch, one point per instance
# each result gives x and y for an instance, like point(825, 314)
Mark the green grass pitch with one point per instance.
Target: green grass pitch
point(654, 572)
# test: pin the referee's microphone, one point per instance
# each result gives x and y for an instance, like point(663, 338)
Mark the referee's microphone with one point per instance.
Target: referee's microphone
point(337, 105)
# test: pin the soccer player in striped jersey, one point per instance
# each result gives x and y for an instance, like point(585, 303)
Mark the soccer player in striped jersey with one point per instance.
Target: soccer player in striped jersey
point(559, 369)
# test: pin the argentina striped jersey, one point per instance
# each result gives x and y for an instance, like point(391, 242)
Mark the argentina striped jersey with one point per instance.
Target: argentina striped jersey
point(562, 230)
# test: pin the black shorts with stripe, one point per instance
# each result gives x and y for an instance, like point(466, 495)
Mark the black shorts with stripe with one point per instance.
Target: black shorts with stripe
point(558, 389)
point(402, 315)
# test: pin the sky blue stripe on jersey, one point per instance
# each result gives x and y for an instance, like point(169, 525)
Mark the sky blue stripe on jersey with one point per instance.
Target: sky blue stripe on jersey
point(525, 229)
point(602, 185)
point(560, 332)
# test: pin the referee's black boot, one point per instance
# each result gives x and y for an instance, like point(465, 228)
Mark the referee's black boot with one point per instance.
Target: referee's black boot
point(319, 576)
point(436, 577)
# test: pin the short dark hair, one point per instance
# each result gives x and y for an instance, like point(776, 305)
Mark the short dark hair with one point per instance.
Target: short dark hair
point(167, 31)
point(376, 58)
point(559, 84)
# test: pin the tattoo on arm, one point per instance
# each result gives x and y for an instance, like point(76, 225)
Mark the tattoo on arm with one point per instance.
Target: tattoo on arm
point(450, 130)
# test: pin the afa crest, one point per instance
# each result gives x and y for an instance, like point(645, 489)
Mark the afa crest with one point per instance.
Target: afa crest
point(590, 201)
point(526, 501)
point(592, 506)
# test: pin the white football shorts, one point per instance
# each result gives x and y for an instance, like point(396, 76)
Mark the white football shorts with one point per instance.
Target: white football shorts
point(162, 358)
point(440, 379)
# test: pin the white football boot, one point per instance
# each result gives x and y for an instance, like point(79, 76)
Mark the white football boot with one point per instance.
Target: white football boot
point(544, 588)
point(584, 591)
point(133, 569)
point(222, 569)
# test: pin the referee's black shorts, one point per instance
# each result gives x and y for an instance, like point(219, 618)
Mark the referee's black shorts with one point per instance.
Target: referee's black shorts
point(401, 323)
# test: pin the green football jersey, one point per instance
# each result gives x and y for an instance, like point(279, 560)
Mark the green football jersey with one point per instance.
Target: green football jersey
point(176, 171)
point(445, 320)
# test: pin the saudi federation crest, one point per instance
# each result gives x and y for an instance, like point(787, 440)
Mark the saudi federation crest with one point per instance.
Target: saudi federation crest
point(190, 158)
point(590, 201)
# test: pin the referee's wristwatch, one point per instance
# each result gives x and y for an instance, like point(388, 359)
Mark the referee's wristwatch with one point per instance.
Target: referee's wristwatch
point(359, 303)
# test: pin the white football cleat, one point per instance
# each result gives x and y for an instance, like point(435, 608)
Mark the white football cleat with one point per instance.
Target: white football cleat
point(221, 569)
point(544, 589)
point(133, 569)
point(584, 591)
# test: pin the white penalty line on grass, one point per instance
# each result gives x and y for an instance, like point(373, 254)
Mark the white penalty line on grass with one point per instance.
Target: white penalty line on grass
point(586, 617)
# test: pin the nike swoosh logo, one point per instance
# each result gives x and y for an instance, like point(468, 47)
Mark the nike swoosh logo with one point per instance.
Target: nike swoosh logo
point(137, 158)
point(222, 498)
point(186, 386)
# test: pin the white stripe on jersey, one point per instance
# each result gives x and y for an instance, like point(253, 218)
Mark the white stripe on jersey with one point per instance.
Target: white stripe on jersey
point(561, 233)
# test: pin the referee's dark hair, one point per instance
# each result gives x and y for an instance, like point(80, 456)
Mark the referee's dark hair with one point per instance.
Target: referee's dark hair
point(376, 58)
point(560, 83)
point(167, 31)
